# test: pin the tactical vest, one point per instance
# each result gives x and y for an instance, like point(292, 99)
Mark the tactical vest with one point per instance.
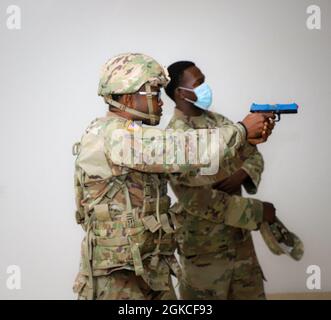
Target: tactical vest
point(123, 237)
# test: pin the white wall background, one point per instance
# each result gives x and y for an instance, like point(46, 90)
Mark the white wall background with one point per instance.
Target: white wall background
point(258, 50)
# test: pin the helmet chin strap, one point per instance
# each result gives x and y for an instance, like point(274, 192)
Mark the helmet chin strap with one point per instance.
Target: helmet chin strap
point(150, 103)
point(150, 116)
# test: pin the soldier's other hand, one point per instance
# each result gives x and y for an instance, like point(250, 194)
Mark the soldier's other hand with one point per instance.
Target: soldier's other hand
point(269, 212)
point(259, 126)
point(232, 184)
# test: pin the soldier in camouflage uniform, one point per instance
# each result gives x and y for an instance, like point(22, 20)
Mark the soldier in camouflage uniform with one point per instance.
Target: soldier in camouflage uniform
point(216, 252)
point(128, 250)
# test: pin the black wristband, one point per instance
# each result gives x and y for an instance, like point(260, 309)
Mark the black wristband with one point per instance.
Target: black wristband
point(244, 128)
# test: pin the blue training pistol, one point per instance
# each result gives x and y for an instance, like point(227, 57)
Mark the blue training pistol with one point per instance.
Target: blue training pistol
point(277, 109)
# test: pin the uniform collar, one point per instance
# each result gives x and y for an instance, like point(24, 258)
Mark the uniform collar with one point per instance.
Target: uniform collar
point(180, 114)
point(112, 114)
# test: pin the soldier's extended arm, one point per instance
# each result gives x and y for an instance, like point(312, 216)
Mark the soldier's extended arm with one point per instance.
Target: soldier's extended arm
point(220, 207)
point(253, 165)
point(150, 149)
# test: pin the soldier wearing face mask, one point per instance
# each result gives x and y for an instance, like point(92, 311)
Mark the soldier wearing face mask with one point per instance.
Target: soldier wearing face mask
point(216, 252)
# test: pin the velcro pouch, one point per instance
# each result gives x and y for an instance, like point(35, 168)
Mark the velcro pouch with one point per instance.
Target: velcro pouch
point(102, 212)
point(151, 223)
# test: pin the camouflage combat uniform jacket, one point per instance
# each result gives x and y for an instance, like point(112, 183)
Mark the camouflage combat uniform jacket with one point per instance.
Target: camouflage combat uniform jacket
point(228, 211)
point(123, 207)
point(214, 241)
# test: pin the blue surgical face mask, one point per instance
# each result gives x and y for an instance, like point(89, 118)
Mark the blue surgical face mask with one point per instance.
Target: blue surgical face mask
point(204, 96)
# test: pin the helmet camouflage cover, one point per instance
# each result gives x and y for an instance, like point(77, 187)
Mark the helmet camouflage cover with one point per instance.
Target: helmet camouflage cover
point(281, 241)
point(126, 73)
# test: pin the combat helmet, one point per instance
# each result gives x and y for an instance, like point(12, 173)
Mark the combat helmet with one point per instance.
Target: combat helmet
point(125, 74)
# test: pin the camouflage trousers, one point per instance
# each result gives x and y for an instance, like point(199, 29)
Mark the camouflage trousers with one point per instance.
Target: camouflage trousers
point(121, 285)
point(233, 274)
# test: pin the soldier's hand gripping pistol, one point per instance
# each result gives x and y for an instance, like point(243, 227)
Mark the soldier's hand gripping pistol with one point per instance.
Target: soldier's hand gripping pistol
point(277, 109)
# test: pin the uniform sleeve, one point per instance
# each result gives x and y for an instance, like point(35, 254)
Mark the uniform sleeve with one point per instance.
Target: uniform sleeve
point(252, 159)
point(219, 207)
point(254, 166)
point(160, 151)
